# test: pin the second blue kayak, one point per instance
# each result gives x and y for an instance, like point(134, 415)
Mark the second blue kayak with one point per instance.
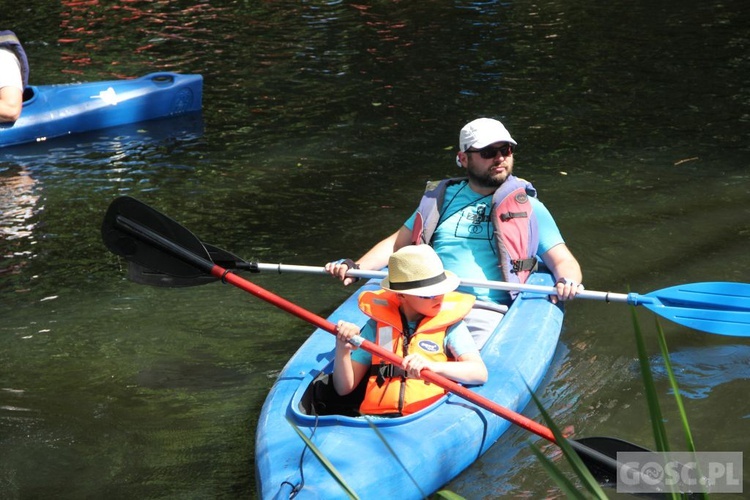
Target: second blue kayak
point(59, 110)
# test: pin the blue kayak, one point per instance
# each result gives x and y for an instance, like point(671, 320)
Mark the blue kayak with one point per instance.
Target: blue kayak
point(59, 110)
point(433, 445)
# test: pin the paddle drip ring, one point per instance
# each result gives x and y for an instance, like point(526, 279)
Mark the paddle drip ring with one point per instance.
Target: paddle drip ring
point(224, 275)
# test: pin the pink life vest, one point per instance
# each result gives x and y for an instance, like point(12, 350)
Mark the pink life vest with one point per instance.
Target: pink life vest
point(516, 228)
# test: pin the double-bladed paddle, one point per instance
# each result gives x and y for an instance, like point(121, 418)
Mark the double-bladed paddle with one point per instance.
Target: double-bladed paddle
point(714, 307)
point(152, 241)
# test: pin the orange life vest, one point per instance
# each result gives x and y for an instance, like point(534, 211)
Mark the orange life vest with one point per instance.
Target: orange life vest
point(389, 391)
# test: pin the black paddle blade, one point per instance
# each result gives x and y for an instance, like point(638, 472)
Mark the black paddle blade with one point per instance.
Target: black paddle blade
point(145, 276)
point(605, 471)
point(120, 235)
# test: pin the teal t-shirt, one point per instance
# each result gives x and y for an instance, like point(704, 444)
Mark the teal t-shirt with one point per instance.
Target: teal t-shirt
point(465, 238)
point(458, 341)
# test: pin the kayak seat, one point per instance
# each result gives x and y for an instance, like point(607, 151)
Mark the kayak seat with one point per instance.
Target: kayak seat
point(320, 398)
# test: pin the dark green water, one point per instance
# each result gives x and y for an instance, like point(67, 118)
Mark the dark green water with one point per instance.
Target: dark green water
point(321, 123)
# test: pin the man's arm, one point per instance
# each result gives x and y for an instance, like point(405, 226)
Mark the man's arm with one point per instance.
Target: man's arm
point(11, 102)
point(376, 258)
point(563, 265)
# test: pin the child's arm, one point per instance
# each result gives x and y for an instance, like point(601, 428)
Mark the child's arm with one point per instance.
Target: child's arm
point(469, 369)
point(347, 374)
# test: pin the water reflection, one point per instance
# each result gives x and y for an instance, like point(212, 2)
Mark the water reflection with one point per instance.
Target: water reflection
point(18, 209)
point(119, 39)
point(700, 370)
point(145, 142)
point(72, 168)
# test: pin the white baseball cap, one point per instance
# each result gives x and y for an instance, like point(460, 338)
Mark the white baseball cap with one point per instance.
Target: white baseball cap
point(483, 132)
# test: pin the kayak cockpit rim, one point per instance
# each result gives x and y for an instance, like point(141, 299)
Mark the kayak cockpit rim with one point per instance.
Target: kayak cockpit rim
point(317, 384)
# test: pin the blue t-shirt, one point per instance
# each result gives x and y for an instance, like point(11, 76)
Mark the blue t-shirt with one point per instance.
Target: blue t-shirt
point(458, 341)
point(465, 238)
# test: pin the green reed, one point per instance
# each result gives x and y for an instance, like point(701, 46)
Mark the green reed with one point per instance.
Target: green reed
point(589, 488)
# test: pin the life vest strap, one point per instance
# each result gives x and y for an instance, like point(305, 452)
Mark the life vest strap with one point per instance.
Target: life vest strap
point(513, 215)
point(530, 264)
point(385, 371)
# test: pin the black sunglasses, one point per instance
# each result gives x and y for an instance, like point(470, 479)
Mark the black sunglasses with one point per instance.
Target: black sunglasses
point(490, 152)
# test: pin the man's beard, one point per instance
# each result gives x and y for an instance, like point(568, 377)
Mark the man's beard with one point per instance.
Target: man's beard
point(486, 179)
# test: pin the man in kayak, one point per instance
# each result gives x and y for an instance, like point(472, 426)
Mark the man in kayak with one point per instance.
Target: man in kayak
point(486, 226)
point(14, 76)
point(418, 315)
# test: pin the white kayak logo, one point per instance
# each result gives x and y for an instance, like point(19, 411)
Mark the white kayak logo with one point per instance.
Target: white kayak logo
point(109, 96)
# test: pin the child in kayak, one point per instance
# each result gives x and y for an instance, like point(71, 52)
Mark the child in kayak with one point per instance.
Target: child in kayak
point(418, 315)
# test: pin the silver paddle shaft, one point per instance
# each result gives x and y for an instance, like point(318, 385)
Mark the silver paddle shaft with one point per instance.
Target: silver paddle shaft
point(494, 285)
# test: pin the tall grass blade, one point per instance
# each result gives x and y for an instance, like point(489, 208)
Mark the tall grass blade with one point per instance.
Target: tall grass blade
point(657, 421)
point(675, 389)
point(325, 462)
point(652, 396)
point(583, 473)
point(393, 454)
point(447, 495)
point(677, 396)
point(566, 485)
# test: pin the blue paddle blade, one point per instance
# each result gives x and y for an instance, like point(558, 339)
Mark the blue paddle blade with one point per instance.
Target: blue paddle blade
point(715, 307)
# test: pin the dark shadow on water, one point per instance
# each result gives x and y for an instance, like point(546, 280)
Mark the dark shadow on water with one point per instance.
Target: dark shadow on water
point(188, 375)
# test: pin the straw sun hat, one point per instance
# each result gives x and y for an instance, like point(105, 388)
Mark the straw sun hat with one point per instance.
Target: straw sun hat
point(417, 270)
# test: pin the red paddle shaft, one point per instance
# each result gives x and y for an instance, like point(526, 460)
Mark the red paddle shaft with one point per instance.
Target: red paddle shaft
point(117, 230)
point(372, 348)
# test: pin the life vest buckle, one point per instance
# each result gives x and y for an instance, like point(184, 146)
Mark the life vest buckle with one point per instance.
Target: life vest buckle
point(385, 371)
point(530, 265)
